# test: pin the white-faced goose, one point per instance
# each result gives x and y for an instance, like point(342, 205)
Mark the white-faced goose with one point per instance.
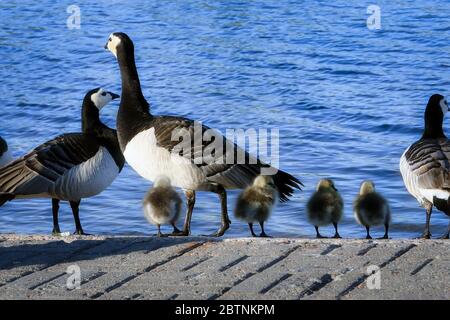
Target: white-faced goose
point(425, 165)
point(5, 154)
point(255, 203)
point(70, 167)
point(162, 204)
point(147, 144)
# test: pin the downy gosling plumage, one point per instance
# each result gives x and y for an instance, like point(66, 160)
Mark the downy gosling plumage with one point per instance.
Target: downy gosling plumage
point(325, 206)
point(162, 204)
point(371, 209)
point(255, 203)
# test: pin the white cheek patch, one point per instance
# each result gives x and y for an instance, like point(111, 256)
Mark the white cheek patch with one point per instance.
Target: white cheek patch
point(444, 106)
point(99, 100)
point(113, 43)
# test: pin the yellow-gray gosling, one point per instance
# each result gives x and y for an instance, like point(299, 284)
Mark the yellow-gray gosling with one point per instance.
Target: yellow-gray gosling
point(255, 203)
point(325, 207)
point(371, 209)
point(162, 204)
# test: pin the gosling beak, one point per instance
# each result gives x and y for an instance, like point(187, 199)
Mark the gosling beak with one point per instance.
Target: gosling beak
point(114, 96)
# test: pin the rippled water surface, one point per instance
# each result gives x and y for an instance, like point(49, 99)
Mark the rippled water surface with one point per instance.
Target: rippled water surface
point(347, 100)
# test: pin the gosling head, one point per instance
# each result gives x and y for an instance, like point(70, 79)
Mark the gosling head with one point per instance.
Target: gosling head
point(366, 187)
point(162, 181)
point(326, 184)
point(264, 182)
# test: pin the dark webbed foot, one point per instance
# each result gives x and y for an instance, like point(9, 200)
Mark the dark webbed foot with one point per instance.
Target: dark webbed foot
point(336, 233)
point(318, 235)
point(264, 235)
point(337, 236)
point(250, 225)
point(180, 233)
point(81, 233)
point(177, 232)
point(56, 232)
point(221, 231)
point(368, 237)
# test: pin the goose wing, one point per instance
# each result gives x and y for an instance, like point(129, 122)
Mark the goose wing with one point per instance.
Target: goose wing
point(425, 169)
point(37, 172)
point(221, 160)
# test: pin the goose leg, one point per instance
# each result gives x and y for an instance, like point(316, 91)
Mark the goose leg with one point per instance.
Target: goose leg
point(55, 208)
point(318, 235)
point(76, 215)
point(224, 214)
point(368, 233)
point(426, 233)
point(250, 225)
point(263, 234)
point(175, 229)
point(386, 231)
point(336, 234)
point(160, 234)
point(190, 202)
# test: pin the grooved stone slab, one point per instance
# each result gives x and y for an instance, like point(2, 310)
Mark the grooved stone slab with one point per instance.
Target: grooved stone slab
point(130, 267)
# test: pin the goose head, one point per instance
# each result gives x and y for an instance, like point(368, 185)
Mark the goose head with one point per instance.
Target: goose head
point(437, 104)
point(435, 111)
point(101, 97)
point(118, 41)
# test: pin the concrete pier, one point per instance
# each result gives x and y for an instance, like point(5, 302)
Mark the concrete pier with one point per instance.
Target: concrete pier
point(129, 267)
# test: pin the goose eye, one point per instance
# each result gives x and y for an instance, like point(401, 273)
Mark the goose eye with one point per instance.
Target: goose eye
point(109, 39)
point(103, 93)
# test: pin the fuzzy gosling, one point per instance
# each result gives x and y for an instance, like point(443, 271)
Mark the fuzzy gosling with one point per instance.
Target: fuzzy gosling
point(325, 206)
point(255, 203)
point(371, 209)
point(162, 204)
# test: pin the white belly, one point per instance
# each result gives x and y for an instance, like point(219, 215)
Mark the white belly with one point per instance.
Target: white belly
point(89, 178)
point(429, 194)
point(151, 161)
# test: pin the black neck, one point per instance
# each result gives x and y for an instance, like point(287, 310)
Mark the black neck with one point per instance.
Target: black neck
point(433, 124)
point(131, 86)
point(90, 117)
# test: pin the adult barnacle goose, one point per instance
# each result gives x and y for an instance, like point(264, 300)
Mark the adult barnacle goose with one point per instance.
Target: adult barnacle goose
point(70, 167)
point(425, 165)
point(5, 154)
point(147, 143)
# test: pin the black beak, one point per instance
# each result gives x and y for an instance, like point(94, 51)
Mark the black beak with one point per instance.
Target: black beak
point(113, 95)
point(106, 45)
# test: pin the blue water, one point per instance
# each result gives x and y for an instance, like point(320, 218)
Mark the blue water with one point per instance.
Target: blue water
point(348, 100)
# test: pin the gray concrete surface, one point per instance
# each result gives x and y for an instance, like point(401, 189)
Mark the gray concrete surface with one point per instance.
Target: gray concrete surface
point(35, 267)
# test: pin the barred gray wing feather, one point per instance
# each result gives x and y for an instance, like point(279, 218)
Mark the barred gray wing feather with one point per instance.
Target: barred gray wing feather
point(37, 172)
point(217, 166)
